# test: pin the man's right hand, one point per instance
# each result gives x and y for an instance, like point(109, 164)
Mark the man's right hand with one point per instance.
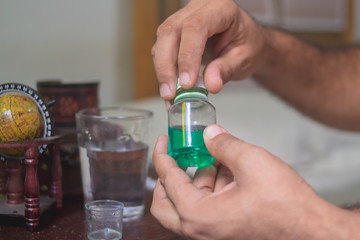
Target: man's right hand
point(267, 200)
point(232, 40)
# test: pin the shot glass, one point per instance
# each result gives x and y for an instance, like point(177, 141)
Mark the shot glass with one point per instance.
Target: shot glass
point(104, 219)
point(113, 145)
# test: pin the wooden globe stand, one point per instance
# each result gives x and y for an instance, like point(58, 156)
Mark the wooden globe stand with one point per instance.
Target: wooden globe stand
point(15, 187)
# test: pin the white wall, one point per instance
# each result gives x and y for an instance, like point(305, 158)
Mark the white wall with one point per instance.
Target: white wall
point(79, 41)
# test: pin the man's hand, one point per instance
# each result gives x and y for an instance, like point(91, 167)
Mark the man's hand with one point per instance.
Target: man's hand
point(232, 40)
point(267, 199)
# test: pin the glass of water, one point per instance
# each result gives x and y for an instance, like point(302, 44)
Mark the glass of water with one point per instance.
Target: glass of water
point(104, 219)
point(113, 144)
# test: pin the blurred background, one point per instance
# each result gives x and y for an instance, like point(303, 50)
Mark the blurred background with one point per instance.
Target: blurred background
point(110, 42)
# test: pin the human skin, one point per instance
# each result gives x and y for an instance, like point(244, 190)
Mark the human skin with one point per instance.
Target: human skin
point(322, 83)
point(267, 200)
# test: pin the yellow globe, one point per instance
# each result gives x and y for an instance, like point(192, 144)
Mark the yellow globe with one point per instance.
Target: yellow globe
point(20, 120)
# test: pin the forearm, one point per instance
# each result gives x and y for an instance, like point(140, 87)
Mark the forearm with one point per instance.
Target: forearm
point(327, 221)
point(324, 84)
point(316, 219)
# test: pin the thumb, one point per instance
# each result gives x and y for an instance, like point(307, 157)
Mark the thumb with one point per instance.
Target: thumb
point(227, 149)
point(228, 66)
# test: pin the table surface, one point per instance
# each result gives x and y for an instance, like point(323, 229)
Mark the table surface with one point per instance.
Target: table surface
point(69, 223)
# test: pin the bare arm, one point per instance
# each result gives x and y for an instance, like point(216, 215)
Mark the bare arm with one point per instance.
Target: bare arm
point(267, 200)
point(322, 83)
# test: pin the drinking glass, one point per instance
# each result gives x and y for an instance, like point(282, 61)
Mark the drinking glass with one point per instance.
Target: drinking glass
point(113, 145)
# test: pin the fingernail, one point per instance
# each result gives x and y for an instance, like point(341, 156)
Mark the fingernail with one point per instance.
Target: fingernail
point(164, 90)
point(184, 79)
point(213, 130)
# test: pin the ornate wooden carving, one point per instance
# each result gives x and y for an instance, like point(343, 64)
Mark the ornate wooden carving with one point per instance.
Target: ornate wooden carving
point(56, 175)
point(32, 207)
point(15, 186)
point(3, 177)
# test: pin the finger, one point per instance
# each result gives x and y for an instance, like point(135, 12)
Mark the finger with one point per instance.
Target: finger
point(196, 30)
point(165, 59)
point(237, 62)
point(168, 104)
point(223, 178)
point(249, 164)
point(225, 148)
point(223, 68)
point(165, 51)
point(176, 182)
point(213, 78)
point(204, 178)
point(163, 209)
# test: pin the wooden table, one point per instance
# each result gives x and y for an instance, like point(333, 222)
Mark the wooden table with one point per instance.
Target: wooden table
point(69, 223)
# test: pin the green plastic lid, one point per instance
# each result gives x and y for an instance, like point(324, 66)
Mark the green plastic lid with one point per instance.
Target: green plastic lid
point(197, 92)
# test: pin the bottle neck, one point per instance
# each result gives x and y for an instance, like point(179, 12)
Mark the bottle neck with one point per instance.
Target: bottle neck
point(194, 93)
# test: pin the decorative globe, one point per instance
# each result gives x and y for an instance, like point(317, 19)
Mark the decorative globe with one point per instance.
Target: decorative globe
point(20, 120)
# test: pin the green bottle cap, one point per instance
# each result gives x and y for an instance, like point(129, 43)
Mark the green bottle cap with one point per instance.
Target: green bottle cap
point(197, 92)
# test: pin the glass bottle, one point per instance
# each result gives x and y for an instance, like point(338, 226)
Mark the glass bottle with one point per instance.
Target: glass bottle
point(188, 117)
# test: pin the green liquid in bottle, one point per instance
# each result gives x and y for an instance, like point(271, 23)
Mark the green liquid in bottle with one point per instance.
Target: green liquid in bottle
point(188, 147)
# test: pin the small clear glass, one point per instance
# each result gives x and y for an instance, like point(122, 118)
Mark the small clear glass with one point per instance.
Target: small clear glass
point(104, 219)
